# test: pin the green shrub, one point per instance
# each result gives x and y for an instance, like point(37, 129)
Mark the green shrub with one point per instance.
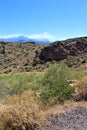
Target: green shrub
point(29, 68)
point(37, 60)
point(16, 83)
point(5, 88)
point(55, 84)
point(7, 71)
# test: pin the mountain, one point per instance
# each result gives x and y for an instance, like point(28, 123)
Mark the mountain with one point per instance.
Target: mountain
point(23, 39)
point(72, 51)
point(18, 39)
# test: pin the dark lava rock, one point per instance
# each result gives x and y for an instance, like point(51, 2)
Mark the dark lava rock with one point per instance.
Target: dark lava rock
point(61, 49)
point(54, 51)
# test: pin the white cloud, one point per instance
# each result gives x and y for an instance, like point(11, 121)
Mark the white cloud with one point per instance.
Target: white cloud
point(44, 35)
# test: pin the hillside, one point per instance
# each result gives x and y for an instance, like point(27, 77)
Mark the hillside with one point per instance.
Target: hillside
point(72, 51)
point(16, 57)
point(30, 56)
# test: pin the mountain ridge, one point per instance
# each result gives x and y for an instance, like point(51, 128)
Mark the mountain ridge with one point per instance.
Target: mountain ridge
point(23, 39)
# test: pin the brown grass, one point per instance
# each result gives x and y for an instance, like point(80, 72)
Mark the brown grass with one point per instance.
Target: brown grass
point(81, 89)
point(20, 109)
point(25, 110)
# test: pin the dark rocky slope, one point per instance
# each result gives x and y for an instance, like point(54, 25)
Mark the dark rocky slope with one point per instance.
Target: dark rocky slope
point(60, 50)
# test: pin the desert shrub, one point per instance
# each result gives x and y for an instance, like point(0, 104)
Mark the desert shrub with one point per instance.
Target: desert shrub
point(37, 60)
point(5, 88)
point(22, 83)
point(29, 68)
point(7, 71)
point(48, 64)
point(16, 83)
point(55, 84)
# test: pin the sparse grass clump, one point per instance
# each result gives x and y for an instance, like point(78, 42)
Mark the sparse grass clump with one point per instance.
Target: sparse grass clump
point(80, 73)
point(20, 111)
point(81, 90)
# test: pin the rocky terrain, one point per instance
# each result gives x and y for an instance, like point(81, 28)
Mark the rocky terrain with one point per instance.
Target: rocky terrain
point(73, 50)
point(62, 49)
point(28, 56)
point(17, 57)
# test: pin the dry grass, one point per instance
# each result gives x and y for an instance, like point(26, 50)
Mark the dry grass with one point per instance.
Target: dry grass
point(81, 89)
point(24, 110)
point(20, 109)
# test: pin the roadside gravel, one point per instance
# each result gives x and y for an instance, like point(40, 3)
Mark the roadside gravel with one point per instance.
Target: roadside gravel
point(75, 119)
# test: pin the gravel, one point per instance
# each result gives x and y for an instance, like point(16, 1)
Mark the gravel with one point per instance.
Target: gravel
point(75, 119)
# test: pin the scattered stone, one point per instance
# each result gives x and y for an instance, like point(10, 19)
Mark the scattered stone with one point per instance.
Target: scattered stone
point(75, 119)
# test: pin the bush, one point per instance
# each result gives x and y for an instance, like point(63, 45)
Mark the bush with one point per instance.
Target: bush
point(17, 83)
point(7, 71)
point(55, 85)
point(29, 68)
point(37, 60)
point(5, 88)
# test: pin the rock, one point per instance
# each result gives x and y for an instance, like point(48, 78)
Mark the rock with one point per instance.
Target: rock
point(62, 49)
point(23, 128)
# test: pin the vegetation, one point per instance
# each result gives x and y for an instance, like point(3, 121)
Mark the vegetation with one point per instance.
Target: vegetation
point(55, 84)
point(81, 90)
point(37, 60)
point(26, 97)
point(17, 92)
point(17, 83)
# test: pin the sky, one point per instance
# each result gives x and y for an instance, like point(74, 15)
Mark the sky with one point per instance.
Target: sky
point(50, 19)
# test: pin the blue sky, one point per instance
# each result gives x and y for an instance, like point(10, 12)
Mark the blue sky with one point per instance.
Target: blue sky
point(52, 19)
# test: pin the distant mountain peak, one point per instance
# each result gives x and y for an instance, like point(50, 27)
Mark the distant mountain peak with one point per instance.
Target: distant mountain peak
point(23, 39)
